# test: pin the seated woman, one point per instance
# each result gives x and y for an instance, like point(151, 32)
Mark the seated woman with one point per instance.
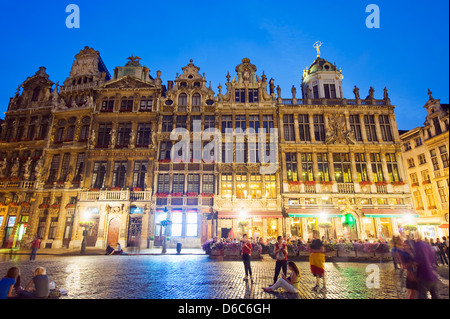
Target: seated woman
point(7, 283)
point(41, 283)
point(109, 250)
point(290, 284)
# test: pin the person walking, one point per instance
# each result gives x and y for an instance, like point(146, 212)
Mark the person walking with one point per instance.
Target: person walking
point(427, 278)
point(35, 245)
point(403, 254)
point(317, 261)
point(246, 252)
point(441, 252)
point(7, 283)
point(280, 251)
point(291, 283)
point(445, 241)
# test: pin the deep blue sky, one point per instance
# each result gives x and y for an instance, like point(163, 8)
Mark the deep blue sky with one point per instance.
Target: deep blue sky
point(408, 54)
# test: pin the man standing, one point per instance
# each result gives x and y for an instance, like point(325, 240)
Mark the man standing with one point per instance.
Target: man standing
point(280, 251)
point(246, 253)
point(35, 245)
point(427, 279)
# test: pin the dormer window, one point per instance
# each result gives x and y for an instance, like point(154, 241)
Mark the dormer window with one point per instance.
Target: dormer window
point(35, 96)
point(253, 95)
point(183, 84)
point(197, 84)
point(240, 95)
point(182, 102)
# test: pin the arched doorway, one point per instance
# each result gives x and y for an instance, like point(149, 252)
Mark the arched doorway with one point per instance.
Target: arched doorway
point(349, 226)
point(113, 231)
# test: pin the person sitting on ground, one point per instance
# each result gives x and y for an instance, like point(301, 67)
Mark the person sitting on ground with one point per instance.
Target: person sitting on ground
point(7, 283)
point(41, 283)
point(118, 249)
point(109, 250)
point(291, 283)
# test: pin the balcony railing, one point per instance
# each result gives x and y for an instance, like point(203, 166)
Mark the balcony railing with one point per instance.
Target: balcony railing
point(121, 195)
point(331, 102)
point(346, 188)
point(17, 184)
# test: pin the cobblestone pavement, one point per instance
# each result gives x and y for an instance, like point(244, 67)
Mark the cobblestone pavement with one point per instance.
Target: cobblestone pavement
point(198, 277)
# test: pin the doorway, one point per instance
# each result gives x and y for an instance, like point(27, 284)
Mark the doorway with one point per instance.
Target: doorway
point(113, 232)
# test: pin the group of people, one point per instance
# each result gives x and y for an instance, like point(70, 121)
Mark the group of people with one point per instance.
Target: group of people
point(418, 258)
point(289, 283)
point(114, 251)
point(37, 288)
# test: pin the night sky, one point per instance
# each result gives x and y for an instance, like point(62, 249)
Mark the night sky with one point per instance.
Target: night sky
point(409, 53)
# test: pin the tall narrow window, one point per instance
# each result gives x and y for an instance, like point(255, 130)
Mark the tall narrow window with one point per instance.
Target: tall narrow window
point(377, 167)
point(315, 92)
point(361, 167)
point(444, 155)
point(193, 183)
point(196, 102)
point(208, 184)
point(164, 150)
point(178, 183)
point(103, 134)
point(177, 223)
point(163, 183)
point(434, 159)
point(267, 123)
point(291, 166)
point(140, 174)
point(182, 102)
point(144, 134)
point(288, 122)
point(54, 168)
point(322, 165)
point(119, 174)
point(79, 167)
point(307, 167)
point(64, 167)
point(342, 167)
point(191, 223)
point(240, 96)
point(241, 186)
point(240, 122)
point(303, 126)
point(270, 186)
point(319, 127)
point(330, 91)
point(371, 132)
point(355, 127)
point(98, 175)
point(227, 185)
point(255, 186)
point(227, 123)
point(210, 122)
point(167, 123)
point(253, 123)
point(181, 121)
point(385, 127)
point(253, 95)
point(123, 134)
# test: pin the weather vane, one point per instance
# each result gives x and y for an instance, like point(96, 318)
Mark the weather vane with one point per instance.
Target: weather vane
point(317, 46)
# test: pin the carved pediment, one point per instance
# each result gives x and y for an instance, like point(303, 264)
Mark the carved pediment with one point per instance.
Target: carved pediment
point(127, 82)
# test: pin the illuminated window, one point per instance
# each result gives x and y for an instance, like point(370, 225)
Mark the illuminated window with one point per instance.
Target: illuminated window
point(361, 167)
point(307, 167)
point(255, 186)
point(241, 186)
point(291, 166)
point(177, 223)
point(227, 185)
point(377, 167)
point(270, 186)
point(191, 223)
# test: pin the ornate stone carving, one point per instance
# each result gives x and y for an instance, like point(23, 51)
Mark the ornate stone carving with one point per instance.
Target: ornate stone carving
point(337, 131)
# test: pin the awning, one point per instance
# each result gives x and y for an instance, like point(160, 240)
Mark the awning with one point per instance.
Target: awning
point(443, 226)
point(313, 212)
point(431, 221)
point(261, 214)
point(387, 213)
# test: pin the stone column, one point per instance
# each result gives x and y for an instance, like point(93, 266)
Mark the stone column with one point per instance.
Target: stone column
point(311, 127)
point(296, 129)
point(363, 128)
point(377, 128)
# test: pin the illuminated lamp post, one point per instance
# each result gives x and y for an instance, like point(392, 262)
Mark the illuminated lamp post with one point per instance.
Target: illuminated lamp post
point(165, 223)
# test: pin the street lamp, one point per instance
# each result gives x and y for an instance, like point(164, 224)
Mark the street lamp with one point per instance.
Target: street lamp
point(165, 223)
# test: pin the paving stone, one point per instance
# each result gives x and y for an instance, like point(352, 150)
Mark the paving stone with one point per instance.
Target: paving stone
point(198, 277)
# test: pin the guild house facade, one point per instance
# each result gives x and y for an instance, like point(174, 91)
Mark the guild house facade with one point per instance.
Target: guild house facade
point(108, 158)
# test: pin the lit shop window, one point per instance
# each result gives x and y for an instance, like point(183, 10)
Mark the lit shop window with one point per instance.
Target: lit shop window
point(177, 223)
point(191, 223)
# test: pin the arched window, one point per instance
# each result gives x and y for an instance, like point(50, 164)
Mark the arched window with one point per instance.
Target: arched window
point(196, 100)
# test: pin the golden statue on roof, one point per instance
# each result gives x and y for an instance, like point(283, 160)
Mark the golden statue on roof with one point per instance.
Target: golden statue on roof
point(317, 46)
point(134, 59)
